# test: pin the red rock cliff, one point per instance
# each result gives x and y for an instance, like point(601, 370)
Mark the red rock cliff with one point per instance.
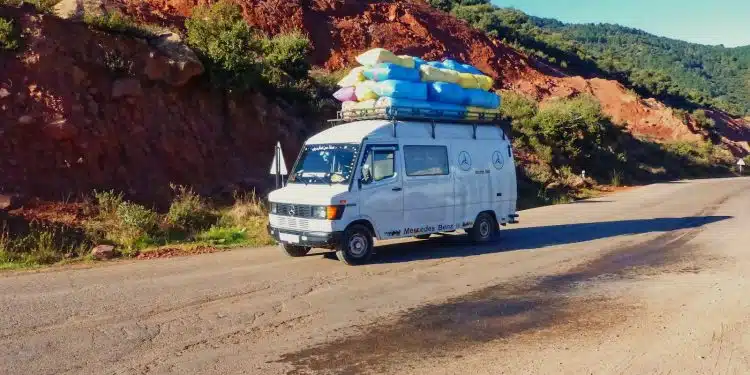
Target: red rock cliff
point(68, 124)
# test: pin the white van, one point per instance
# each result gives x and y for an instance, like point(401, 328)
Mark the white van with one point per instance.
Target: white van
point(385, 175)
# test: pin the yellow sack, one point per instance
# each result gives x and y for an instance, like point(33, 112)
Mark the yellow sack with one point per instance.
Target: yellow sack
point(485, 82)
point(407, 61)
point(473, 113)
point(468, 81)
point(432, 74)
point(354, 77)
point(381, 55)
point(363, 91)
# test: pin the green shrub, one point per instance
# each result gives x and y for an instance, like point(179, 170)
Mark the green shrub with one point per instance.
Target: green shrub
point(616, 179)
point(108, 202)
point(41, 244)
point(229, 48)
point(129, 225)
point(116, 22)
point(704, 122)
point(238, 58)
point(188, 211)
point(288, 52)
point(44, 6)
point(9, 38)
point(246, 207)
point(225, 236)
point(517, 107)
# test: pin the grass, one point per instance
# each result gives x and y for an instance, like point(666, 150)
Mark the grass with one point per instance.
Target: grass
point(116, 22)
point(44, 6)
point(40, 245)
point(190, 224)
point(9, 39)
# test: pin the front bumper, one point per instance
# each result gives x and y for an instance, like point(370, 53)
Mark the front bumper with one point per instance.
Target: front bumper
point(308, 239)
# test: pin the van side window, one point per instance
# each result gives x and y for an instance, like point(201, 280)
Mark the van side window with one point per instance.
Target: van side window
point(381, 164)
point(426, 160)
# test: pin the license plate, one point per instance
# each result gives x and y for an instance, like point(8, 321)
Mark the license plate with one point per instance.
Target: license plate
point(289, 238)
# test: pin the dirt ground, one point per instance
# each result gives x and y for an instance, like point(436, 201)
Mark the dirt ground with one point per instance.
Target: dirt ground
point(649, 280)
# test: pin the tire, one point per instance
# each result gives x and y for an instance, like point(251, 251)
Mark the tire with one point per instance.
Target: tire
point(295, 251)
point(484, 228)
point(356, 246)
point(423, 237)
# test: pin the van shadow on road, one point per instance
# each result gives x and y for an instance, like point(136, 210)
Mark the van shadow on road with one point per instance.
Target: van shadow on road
point(449, 246)
point(555, 302)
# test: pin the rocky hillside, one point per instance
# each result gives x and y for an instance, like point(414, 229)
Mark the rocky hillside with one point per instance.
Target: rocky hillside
point(341, 29)
point(83, 109)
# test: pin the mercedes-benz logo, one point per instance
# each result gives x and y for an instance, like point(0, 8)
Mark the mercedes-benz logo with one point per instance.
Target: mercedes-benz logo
point(464, 161)
point(291, 211)
point(497, 160)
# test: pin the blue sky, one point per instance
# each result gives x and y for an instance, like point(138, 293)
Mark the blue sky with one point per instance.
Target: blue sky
point(700, 21)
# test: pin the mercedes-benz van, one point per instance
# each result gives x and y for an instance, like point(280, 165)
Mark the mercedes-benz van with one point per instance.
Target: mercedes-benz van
point(390, 176)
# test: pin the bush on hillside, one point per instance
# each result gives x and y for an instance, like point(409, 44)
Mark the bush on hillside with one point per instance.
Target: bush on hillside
point(121, 222)
point(230, 50)
point(288, 52)
point(704, 122)
point(188, 211)
point(9, 38)
point(239, 58)
point(44, 6)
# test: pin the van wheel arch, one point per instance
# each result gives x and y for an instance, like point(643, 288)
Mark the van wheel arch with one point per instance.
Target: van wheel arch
point(366, 223)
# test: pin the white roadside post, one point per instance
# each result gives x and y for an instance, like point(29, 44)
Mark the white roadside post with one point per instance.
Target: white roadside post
point(278, 166)
point(741, 163)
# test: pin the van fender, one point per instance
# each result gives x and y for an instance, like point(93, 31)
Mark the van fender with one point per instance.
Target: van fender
point(366, 221)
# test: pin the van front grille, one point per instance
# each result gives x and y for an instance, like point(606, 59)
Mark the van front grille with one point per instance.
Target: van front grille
point(293, 210)
point(293, 223)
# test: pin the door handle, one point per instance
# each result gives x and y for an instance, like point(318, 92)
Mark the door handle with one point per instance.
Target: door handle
point(396, 189)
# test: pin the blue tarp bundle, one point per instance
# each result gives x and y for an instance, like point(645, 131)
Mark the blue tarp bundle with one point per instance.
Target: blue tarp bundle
point(445, 92)
point(401, 89)
point(388, 71)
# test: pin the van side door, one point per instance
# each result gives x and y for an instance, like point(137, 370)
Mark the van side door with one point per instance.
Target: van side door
point(381, 196)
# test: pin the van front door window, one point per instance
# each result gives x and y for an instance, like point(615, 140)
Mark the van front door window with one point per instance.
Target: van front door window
point(379, 165)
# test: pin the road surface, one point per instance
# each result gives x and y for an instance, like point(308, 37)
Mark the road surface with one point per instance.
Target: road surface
point(651, 280)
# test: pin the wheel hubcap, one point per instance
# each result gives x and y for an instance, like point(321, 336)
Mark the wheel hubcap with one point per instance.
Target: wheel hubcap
point(484, 229)
point(358, 246)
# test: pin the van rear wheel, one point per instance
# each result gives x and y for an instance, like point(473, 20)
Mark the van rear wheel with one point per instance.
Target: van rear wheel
point(484, 228)
point(295, 251)
point(356, 247)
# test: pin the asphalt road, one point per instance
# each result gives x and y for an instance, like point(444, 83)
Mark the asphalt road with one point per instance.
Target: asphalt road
point(650, 280)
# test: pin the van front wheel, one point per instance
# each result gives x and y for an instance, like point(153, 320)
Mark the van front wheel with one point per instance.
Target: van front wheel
point(356, 246)
point(484, 228)
point(295, 251)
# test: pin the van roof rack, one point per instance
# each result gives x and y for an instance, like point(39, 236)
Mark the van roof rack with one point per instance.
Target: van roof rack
point(418, 114)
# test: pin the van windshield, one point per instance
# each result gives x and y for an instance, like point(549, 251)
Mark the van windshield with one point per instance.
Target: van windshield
point(325, 164)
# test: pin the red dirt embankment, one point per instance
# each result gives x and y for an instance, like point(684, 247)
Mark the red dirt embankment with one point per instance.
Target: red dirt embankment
point(69, 125)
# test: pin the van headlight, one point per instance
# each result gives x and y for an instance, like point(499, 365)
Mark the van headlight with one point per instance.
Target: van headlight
point(274, 208)
point(328, 212)
point(319, 212)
